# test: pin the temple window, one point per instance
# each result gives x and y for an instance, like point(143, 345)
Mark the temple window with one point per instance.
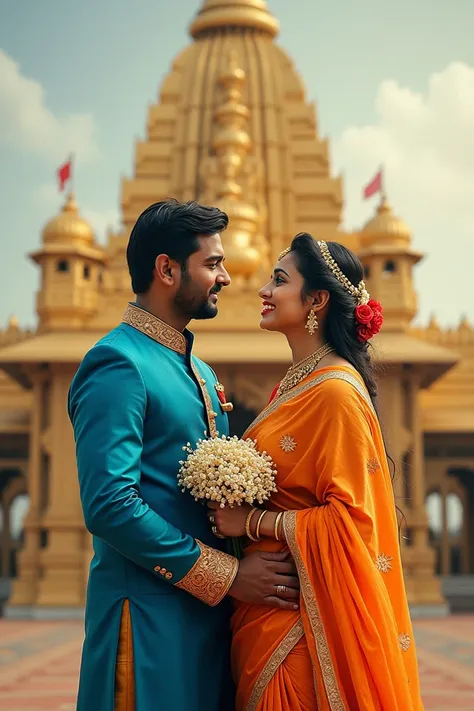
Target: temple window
point(62, 265)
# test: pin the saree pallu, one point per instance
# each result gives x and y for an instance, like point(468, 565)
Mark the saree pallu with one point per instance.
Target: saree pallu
point(350, 646)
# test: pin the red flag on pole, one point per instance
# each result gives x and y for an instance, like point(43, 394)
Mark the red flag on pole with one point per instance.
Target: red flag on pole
point(375, 186)
point(64, 173)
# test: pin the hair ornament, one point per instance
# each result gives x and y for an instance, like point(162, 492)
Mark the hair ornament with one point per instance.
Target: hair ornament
point(368, 312)
point(284, 253)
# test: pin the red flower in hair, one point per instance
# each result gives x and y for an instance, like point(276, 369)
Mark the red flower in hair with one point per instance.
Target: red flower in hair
point(369, 319)
point(364, 333)
point(375, 306)
point(364, 314)
point(377, 322)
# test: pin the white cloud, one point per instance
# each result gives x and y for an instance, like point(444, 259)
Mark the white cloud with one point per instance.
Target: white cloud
point(426, 143)
point(26, 121)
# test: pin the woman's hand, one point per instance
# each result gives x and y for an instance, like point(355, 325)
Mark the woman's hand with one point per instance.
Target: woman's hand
point(229, 522)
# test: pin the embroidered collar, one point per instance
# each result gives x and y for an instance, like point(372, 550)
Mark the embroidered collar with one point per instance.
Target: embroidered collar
point(155, 328)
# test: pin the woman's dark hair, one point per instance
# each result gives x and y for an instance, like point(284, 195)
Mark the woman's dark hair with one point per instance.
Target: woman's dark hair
point(341, 326)
point(169, 227)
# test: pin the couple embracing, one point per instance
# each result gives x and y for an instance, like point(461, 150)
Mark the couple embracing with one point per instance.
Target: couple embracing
point(314, 615)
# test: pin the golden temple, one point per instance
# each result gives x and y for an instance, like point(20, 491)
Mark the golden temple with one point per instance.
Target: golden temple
point(232, 127)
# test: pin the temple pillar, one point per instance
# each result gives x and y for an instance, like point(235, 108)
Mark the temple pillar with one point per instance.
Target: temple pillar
point(62, 560)
point(25, 586)
point(423, 586)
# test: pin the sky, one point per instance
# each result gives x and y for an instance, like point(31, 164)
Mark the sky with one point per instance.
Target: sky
point(392, 80)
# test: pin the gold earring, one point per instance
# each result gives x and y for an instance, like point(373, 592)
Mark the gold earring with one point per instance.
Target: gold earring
point(312, 323)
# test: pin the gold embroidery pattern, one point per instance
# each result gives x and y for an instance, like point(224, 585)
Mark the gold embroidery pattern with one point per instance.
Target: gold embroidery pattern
point(373, 466)
point(288, 443)
point(384, 563)
point(211, 576)
point(153, 327)
point(210, 413)
point(324, 656)
point(332, 374)
point(404, 641)
point(277, 658)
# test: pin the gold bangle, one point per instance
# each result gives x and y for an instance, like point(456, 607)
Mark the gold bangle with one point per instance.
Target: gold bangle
point(248, 533)
point(282, 527)
point(259, 523)
point(277, 523)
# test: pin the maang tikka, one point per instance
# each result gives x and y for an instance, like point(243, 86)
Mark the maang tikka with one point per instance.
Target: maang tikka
point(312, 323)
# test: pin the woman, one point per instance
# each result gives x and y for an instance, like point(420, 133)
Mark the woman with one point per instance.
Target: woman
point(350, 646)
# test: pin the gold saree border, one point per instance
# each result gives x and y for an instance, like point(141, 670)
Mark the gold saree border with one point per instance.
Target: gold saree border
point(289, 641)
point(324, 656)
point(307, 385)
point(211, 576)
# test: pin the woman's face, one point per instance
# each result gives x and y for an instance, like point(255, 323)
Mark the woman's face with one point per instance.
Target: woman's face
point(283, 309)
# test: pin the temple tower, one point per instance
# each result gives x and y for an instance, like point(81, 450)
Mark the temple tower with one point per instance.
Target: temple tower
point(388, 258)
point(233, 90)
point(71, 265)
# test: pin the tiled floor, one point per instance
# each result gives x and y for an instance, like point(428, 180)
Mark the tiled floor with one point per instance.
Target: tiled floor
point(39, 664)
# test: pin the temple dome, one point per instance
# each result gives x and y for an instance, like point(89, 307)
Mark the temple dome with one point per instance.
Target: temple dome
point(68, 227)
point(385, 226)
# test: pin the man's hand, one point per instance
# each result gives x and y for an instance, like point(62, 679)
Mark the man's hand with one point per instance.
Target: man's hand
point(267, 579)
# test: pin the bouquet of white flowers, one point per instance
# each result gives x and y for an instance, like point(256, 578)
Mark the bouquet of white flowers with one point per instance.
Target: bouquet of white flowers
point(227, 470)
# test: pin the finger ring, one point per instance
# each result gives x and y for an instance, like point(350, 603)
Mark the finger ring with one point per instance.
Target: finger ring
point(212, 519)
point(216, 532)
point(281, 589)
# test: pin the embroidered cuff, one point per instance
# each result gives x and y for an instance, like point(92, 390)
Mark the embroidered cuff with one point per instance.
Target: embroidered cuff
point(211, 576)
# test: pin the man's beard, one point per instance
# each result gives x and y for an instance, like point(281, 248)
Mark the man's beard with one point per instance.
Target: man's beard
point(191, 303)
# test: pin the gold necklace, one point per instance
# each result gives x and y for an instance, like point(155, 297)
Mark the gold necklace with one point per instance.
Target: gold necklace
point(299, 371)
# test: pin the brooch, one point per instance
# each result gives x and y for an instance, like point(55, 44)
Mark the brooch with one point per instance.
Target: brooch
point(225, 406)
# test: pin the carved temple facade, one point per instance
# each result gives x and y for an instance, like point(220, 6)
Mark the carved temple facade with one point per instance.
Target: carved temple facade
point(232, 127)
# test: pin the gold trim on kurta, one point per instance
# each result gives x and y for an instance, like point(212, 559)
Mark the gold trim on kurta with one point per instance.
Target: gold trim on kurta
point(167, 336)
point(307, 385)
point(155, 328)
point(312, 608)
point(278, 657)
point(211, 576)
point(210, 412)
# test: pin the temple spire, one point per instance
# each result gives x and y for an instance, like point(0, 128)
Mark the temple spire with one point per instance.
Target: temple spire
point(232, 146)
point(232, 142)
point(217, 15)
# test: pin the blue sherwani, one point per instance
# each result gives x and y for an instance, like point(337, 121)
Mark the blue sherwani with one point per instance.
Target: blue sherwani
point(134, 402)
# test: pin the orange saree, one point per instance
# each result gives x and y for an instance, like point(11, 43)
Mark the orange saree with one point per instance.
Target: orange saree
point(350, 646)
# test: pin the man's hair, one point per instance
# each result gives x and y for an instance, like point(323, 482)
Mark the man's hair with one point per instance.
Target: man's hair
point(168, 227)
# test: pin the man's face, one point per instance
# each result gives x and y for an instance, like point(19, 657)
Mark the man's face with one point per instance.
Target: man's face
point(202, 280)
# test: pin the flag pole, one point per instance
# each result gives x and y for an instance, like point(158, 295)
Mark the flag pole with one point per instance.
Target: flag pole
point(72, 190)
point(383, 194)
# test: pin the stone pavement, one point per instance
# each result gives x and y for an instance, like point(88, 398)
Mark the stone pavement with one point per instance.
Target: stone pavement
point(39, 663)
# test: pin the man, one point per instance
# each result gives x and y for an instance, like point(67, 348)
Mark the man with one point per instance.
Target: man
point(157, 621)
